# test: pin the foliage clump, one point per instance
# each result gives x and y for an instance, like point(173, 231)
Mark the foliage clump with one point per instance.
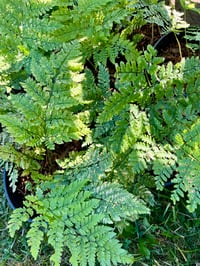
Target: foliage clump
point(73, 73)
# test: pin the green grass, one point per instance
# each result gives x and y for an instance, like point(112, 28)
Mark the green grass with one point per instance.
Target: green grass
point(170, 236)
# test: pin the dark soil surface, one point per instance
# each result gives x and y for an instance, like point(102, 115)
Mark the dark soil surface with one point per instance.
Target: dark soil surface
point(151, 33)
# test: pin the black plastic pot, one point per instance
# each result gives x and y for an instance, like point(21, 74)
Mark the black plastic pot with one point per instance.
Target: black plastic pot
point(15, 200)
point(165, 41)
point(169, 45)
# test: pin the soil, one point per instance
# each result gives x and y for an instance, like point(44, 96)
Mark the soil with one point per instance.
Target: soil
point(48, 167)
point(151, 33)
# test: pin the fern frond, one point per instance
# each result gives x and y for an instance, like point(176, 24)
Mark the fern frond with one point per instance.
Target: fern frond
point(193, 37)
point(35, 236)
point(114, 106)
point(24, 160)
point(103, 78)
point(91, 5)
point(70, 216)
point(56, 240)
point(13, 177)
point(163, 170)
point(18, 217)
point(132, 83)
point(117, 203)
point(93, 165)
point(41, 112)
point(29, 22)
point(155, 13)
point(187, 180)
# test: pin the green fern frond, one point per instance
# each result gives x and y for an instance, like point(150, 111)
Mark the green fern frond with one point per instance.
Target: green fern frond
point(156, 13)
point(29, 22)
point(69, 217)
point(18, 217)
point(132, 83)
point(13, 177)
point(117, 203)
point(24, 160)
point(193, 37)
point(163, 171)
point(187, 181)
point(187, 177)
point(91, 5)
point(103, 78)
point(93, 165)
point(56, 240)
point(36, 229)
point(114, 106)
point(41, 112)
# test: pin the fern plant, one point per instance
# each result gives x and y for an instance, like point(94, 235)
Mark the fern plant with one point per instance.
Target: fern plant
point(48, 105)
point(90, 121)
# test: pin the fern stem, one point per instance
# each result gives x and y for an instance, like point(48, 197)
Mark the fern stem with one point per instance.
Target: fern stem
point(152, 33)
point(179, 45)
